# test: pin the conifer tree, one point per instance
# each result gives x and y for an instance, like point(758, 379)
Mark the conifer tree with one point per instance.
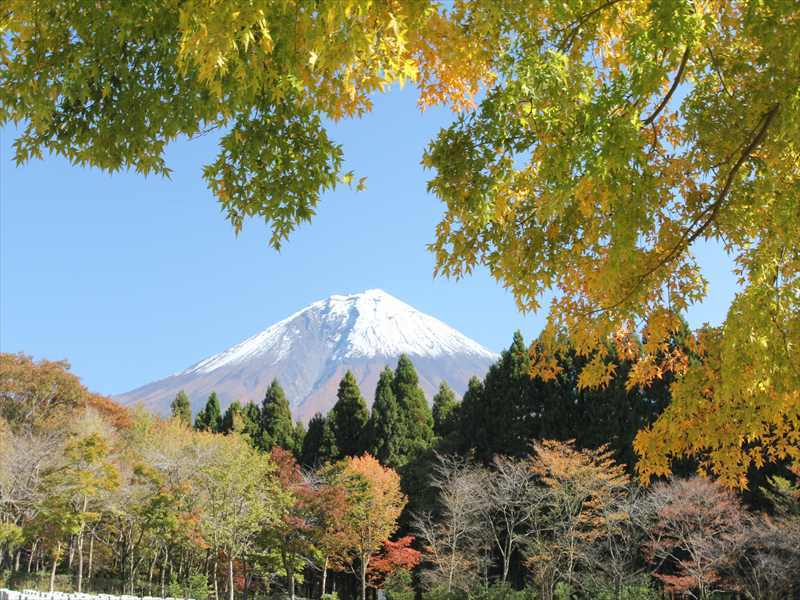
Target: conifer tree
point(210, 418)
point(386, 423)
point(319, 443)
point(277, 427)
point(182, 409)
point(444, 411)
point(417, 430)
point(233, 419)
point(298, 436)
point(251, 421)
point(349, 417)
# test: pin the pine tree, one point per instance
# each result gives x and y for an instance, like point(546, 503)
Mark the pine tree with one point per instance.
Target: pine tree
point(233, 419)
point(444, 411)
point(182, 409)
point(277, 427)
point(210, 418)
point(319, 443)
point(349, 417)
point(417, 429)
point(386, 423)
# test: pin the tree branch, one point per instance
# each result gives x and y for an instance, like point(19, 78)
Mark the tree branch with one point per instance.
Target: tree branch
point(700, 224)
point(676, 82)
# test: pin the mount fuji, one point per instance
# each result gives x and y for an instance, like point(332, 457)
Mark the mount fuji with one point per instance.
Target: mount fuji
point(310, 351)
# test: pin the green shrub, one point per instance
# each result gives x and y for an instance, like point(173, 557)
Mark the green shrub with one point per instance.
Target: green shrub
point(331, 596)
point(641, 589)
point(399, 586)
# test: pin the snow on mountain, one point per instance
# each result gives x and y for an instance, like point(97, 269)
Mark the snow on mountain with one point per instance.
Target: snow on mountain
point(310, 350)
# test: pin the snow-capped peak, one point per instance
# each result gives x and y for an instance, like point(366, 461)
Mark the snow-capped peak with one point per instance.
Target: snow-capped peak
point(365, 325)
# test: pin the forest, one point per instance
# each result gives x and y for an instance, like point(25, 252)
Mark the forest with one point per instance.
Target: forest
point(521, 489)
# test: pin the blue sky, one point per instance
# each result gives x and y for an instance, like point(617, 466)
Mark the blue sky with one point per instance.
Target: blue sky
point(132, 278)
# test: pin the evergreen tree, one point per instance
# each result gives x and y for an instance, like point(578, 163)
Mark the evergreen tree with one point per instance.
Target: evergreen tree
point(276, 427)
point(386, 423)
point(298, 436)
point(445, 407)
point(233, 419)
point(319, 443)
point(210, 418)
point(182, 409)
point(509, 404)
point(349, 417)
point(417, 429)
point(251, 417)
point(470, 416)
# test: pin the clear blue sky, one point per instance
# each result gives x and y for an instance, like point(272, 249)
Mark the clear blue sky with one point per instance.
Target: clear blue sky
point(132, 278)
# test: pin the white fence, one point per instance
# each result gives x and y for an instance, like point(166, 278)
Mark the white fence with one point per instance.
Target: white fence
point(36, 595)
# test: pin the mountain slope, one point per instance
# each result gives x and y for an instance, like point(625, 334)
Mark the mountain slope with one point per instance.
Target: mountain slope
point(311, 350)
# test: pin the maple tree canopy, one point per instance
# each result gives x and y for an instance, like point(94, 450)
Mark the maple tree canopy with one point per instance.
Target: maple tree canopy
point(610, 136)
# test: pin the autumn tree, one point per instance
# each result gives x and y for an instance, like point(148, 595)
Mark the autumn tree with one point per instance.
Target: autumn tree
point(70, 489)
point(679, 130)
point(695, 527)
point(394, 556)
point(240, 496)
point(294, 532)
point(453, 535)
point(181, 409)
point(374, 503)
point(348, 417)
point(32, 394)
point(572, 512)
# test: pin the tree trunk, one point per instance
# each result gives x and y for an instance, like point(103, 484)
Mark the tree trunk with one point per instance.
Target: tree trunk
point(364, 565)
point(230, 578)
point(324, 575)
point(91, 557)
point(164, 572)
point(33, 553)
point(216, 587)
point(53, 570)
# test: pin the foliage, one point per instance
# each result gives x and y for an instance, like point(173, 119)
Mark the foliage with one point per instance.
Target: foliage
point(396, 557)
point(34, 393)
point(616, 136)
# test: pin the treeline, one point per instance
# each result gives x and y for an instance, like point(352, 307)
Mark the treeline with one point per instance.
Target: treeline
point(524, 488)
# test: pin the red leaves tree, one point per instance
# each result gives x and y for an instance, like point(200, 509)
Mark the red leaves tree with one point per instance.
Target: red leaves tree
point(394, 556)
point(695, 528)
